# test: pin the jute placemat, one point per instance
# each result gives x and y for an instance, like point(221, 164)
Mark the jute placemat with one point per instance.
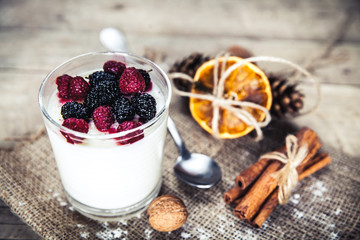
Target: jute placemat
point(323, 206)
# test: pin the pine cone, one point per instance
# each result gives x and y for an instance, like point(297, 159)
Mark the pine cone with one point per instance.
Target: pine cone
point(286, 98)
point(189, 66)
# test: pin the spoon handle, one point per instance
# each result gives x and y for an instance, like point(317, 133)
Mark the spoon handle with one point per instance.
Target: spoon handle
point(177, 138)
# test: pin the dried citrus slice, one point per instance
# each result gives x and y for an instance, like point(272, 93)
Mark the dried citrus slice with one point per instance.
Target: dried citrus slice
point(246, 83)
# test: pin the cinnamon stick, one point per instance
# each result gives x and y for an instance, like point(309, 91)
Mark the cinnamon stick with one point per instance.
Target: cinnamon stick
point(233, 194)
point(267, 208)
point(261, 189)
point(266, 183)
point(310, 138)
point(248, 176)
point(318, 162)
point(310, 157)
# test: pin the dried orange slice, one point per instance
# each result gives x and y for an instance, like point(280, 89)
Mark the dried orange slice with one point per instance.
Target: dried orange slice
point(246, 83)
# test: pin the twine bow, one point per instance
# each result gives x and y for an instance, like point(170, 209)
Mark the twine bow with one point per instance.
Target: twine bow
point(236, 106)
point(287, 176)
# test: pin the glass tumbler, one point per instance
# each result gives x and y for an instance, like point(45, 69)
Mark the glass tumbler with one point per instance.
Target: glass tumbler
point(108, 176)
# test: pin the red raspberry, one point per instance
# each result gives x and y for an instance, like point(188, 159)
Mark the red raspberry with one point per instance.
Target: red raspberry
point(128, 125)
point(79, 125)
point(72, 88)
point(114, 67)
point(63, 83)
point(130, 137)
point(78, 88)
point(103, 118)
point(131, 81)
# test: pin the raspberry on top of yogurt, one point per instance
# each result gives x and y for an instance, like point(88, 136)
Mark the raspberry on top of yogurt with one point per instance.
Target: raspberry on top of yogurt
point(130, 137)
point(114, 67)
point(103, 118)
point(79, 125)
point(131, 81)
point(110, 99)
point(72, 88)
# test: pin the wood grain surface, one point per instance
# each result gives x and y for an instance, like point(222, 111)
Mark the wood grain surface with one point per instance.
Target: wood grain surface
point(36, 36)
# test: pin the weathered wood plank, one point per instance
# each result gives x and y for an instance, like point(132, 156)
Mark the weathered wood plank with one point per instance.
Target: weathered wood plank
point(2, 204)
point(18, 104)
point(7, 217)
point(337, 118)
point(17, 232)
point(251, 19)
point(50, 48)
point(12, 227)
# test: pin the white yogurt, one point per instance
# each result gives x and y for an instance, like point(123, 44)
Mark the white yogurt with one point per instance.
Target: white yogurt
point(104, 175)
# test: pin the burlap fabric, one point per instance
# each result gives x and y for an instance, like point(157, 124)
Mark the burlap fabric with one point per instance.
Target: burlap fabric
point(323, 206)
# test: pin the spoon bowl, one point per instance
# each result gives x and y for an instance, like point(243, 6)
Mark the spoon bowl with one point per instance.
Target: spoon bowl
point(198, 171)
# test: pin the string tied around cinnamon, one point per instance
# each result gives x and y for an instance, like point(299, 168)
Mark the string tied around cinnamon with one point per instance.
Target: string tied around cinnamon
point(236, 106)
point(287, 176)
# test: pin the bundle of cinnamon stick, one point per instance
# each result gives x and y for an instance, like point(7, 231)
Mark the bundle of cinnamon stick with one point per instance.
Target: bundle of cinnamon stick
point(255, 194)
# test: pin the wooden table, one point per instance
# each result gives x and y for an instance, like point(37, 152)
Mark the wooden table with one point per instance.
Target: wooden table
point(36, 36)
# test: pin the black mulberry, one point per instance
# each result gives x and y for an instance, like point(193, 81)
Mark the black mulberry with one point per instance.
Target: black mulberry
point(100, 76)
point(104, 93)
point(145, 106)
point(123, 110)
point(146, 77)
point(74, 110)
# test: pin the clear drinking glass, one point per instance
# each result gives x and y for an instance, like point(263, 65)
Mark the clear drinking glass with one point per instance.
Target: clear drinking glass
point(104, 178)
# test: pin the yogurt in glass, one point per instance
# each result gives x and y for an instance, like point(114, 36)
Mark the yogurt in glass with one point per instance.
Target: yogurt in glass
point(103, 178)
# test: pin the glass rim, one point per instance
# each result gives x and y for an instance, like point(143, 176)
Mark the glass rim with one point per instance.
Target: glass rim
point(112, 135)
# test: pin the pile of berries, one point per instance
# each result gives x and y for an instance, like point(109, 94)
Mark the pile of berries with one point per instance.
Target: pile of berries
point(115, 99)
